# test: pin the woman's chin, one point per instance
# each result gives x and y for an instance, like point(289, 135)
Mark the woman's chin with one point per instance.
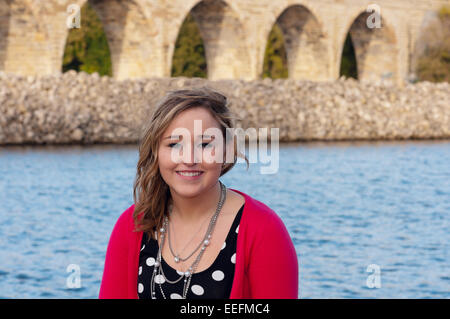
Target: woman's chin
point(187, 189)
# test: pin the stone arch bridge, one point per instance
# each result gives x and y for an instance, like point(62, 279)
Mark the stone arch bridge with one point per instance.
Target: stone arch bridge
point(142, 35)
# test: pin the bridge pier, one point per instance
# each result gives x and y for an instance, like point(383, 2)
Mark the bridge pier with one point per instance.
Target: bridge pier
point(375, 50)
point(305, 43)
point(142, 35)
point(24, 46)
point(225, 40)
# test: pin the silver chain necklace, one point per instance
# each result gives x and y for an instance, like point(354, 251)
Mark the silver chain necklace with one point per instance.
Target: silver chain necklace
point(158, 275)
point(176, 256)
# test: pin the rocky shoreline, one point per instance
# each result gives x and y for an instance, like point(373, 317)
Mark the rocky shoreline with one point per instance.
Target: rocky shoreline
point(79, 108)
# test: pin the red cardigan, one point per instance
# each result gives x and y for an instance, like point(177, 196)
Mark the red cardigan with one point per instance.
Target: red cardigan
point(266, 260)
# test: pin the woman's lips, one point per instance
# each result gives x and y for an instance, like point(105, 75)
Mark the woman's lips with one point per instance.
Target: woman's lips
point(190, 178)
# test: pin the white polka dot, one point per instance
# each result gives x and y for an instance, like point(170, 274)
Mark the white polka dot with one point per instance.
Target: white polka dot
point(140, 288)
point(223, 246)
point(175, 296)
point(198, 290)
point(218, 275)
point(143, 247)
point(159, 279)
point(150, 261)
point(140, 270)
point(233, 258)
point(237, 228)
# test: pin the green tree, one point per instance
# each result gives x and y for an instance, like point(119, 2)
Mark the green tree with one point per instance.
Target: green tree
point(348, 60)
point(87, 47)
point(189, 56)
point(275, 59)
point(434, 64)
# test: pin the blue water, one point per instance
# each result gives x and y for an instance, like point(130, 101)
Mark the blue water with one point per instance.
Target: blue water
point(346, 206)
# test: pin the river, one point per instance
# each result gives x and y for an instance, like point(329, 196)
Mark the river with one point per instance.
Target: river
point(368, 219)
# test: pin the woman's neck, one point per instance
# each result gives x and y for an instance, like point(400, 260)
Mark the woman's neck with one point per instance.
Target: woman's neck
point(191, 210)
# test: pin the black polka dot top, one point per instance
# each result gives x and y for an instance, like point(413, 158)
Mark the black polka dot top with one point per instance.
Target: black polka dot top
point(214, 282)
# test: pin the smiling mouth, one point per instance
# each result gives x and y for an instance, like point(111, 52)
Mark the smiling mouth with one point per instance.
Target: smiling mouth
point(189, 174)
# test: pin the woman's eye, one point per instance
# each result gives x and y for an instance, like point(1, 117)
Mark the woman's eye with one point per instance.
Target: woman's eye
point(178, 145)
point(206, 145)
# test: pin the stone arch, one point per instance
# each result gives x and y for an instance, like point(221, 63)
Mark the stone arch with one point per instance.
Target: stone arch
point(224, 38)
point(130, 37)
point(191, 63)
point(376, 49)
point(429, 33)
point(74, 63)
point(130, 34)
point(305, 43)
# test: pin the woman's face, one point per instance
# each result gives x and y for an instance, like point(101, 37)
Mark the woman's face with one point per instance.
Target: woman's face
point(206, 152)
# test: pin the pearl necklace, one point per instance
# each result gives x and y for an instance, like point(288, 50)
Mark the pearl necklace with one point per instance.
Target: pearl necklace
point(158, 272)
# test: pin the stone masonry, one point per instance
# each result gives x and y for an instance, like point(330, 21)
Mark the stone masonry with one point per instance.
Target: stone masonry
point(142, 35)
point(85, 109)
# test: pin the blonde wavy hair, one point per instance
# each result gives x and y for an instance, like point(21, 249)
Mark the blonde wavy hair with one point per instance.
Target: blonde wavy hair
point(151, 193)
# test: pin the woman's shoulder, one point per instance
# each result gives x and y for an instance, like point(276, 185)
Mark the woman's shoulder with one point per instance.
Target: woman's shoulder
point(258, 212)
point(128, 213)
point(125, 220)
point(264, 229)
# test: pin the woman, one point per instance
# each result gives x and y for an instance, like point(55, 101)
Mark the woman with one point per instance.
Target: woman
point(188, 235)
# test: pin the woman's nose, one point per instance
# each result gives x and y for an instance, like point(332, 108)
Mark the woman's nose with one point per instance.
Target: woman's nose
point(194, 155)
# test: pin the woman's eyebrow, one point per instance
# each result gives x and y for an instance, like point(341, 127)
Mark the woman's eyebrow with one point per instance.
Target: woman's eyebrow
point(176, 137)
